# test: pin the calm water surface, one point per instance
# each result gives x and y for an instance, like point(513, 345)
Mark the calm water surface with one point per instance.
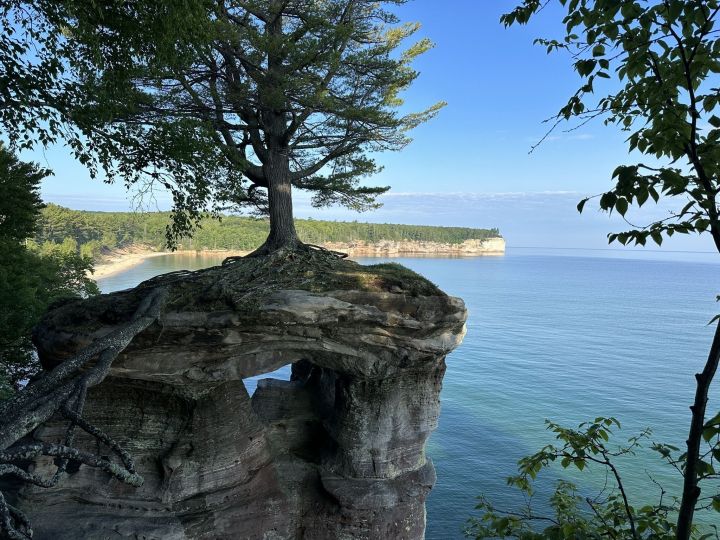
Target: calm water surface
point(564, 335)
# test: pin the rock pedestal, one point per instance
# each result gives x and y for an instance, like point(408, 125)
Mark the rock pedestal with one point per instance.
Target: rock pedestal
point(336, 452)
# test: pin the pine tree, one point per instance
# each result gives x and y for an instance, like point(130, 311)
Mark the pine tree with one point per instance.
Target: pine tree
point(280, 94)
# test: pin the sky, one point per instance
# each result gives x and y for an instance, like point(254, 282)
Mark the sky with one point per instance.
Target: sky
point(471, 165)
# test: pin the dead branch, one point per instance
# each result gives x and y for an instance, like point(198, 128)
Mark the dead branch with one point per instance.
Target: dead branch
point(63, 391)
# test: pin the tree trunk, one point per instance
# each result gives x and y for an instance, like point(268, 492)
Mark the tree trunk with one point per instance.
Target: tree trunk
point(282, 226)
point(276, 162)
point(691, 490)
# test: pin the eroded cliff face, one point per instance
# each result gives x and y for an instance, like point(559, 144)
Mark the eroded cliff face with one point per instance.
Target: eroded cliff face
point(391, 248)
point(336, 452)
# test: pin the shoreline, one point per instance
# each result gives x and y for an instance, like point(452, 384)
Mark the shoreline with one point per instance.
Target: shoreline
point(124, 259)
point(119, 261)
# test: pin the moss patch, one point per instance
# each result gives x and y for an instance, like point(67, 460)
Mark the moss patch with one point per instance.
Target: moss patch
point(242, 283)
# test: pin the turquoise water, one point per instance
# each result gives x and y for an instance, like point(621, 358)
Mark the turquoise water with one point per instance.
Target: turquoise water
point(565, 335)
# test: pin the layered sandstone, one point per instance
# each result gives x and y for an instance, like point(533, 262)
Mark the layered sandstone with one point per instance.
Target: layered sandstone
point(336, 452)
point(392, 248)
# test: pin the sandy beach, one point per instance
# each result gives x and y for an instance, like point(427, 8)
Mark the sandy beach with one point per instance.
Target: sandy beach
point(120, 260)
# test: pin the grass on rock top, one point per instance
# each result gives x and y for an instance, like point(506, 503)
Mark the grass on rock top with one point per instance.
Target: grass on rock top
point(243, 282)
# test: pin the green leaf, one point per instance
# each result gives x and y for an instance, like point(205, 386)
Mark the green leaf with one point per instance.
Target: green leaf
point(657, 237)
point(607, 201)
point(626, 176)
point(585, 67)
point(709, 433)
point(621, 205)
point(703, 467)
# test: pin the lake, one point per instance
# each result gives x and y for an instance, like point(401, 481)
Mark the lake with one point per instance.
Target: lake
point(566, 335)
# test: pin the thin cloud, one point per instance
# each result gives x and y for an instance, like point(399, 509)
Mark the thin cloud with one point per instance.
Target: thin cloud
point(474, 195)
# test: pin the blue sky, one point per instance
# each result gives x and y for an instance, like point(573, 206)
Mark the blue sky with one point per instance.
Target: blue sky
point(470, 166)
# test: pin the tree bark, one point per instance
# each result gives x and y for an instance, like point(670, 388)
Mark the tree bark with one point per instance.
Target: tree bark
point(282, 226)
point(276, 161)
point(691, 490)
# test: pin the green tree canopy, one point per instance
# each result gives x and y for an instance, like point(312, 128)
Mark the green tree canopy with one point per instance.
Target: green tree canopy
point(278, 94)
point(29, 281)
point(665, 55)
point(64, 72)
point(20, 204)
point(663, 59)
point(33, 83)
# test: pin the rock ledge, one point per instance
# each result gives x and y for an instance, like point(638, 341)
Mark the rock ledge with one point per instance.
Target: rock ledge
point(336, 452)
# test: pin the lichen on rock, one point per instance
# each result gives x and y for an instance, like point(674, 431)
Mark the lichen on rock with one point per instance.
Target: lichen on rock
point(336, 452)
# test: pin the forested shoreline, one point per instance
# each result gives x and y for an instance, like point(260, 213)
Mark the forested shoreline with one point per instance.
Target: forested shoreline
point(93, 233)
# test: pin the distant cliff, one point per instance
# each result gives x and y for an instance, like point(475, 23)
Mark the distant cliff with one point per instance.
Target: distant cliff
point(96, 233)
point(392, 248)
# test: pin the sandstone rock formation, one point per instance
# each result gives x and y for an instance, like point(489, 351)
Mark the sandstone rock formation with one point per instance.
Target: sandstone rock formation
point(337, 452)
point(391, 248)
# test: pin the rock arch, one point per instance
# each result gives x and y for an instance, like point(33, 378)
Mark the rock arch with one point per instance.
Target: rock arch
point(336, 452)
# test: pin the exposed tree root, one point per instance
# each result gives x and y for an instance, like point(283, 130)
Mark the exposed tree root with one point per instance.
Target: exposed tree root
point(268, 250)
point(293, 267)
point(338, 254)
point(63, 390)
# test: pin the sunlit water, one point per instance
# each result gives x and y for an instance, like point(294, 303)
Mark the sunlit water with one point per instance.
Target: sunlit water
point(564, 335)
